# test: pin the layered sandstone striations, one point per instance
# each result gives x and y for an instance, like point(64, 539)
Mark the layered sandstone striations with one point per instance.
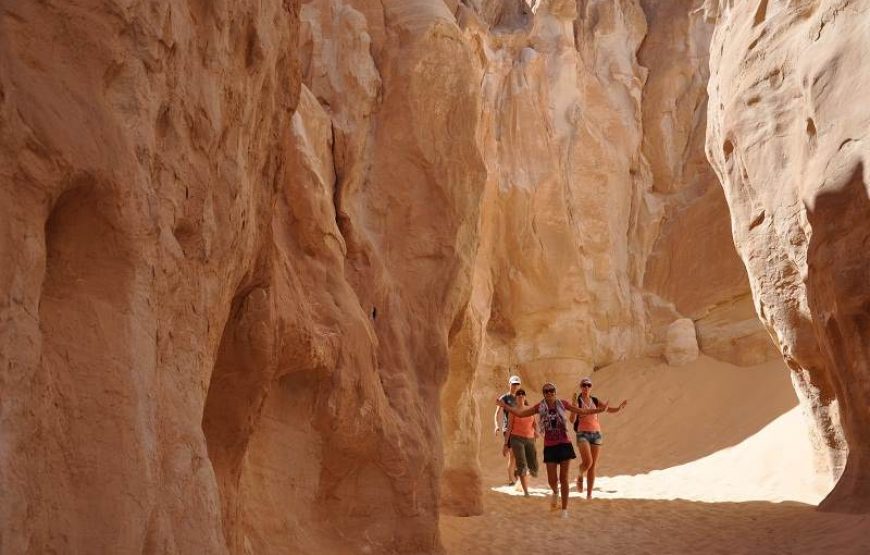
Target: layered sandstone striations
point(788, 136)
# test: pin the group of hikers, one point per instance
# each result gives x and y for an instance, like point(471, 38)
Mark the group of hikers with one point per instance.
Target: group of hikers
point(519, 423)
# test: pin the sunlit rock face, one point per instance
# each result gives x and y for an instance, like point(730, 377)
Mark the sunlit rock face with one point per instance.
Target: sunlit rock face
point(693, 268)
point(228, 295)
point(788, 137)
point(135, 215)
point(682, 342)
point(265, 264)
point(602, 223)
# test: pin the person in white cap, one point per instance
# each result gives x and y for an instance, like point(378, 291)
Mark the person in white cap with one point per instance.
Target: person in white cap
point(588, 431)
point(501, 423)
point(553, 416)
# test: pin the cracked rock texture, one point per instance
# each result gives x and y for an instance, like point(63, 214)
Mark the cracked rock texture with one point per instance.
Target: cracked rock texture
point(788, 136)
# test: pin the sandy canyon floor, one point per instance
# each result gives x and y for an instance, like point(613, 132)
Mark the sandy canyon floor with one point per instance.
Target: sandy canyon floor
point(707, 458)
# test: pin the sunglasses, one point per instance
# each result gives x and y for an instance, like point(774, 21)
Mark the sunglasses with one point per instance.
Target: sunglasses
point(548, 390)
point(585, 385)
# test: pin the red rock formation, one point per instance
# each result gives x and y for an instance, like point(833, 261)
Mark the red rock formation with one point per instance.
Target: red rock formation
point(788, 139)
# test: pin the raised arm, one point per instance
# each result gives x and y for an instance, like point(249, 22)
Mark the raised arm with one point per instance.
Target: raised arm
point(527, 411)
point(619, 408)
point(583, 411)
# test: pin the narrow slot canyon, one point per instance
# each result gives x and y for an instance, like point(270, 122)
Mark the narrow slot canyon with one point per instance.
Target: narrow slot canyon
point(267, 266)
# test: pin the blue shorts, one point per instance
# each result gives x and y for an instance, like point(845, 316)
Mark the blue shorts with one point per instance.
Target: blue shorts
point(590, 437)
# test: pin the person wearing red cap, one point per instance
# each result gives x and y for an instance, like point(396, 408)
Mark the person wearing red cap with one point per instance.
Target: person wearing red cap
point(588, 431)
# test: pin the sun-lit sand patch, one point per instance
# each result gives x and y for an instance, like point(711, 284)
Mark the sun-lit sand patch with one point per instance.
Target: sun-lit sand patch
point(773, 465)
point(757, 496)
point(731, 471)
point(776, 464)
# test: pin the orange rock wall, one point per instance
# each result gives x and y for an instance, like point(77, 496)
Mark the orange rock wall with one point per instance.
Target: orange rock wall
point(788, 139)
point(227, 309)
point(267, 263)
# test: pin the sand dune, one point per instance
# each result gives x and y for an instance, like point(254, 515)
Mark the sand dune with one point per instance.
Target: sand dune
point(744, 481)
point(517, 525)
point(776, 464)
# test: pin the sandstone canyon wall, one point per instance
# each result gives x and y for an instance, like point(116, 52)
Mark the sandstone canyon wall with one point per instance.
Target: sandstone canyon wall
point(788, 136)
point(225, 309)
point(265, 263)
point(602, 222)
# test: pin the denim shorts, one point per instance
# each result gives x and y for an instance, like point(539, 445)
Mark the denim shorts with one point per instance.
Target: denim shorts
point(594, 438)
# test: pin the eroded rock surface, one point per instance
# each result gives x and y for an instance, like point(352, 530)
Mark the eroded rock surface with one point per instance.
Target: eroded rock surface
point(225, 323)
point(265, 263)
point(788, 137)
point(602, 222)
point(682, 342)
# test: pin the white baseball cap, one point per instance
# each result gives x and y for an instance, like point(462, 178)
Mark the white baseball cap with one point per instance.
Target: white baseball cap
point(515, 380)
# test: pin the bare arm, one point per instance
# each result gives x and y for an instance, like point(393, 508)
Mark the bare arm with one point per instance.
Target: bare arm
point(584, 411)
point(496, 419)
point(526, 411)
point(619, 408)
point(507, 437)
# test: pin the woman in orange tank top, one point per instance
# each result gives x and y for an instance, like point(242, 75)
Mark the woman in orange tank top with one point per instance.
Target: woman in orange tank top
point(521, 434)
point(589, 438)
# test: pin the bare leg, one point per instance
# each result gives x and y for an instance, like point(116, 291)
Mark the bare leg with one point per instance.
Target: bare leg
point(564, 469)
point(590, 474)
point(511, 465)
point(524, 479)
point(585, 463)
point(554, 482)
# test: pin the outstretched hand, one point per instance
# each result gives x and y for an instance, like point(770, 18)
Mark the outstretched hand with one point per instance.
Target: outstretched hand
point(603, 406)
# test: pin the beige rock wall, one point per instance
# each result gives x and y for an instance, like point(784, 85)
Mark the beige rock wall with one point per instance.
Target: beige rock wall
point(602, 223)
point(553, 288)
point(225, 323)
point(788, 137)
point(135, 219)
point(266, 264)
point(693, 270)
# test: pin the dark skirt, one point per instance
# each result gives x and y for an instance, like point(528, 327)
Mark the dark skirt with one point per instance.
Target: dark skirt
point(558, 453)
